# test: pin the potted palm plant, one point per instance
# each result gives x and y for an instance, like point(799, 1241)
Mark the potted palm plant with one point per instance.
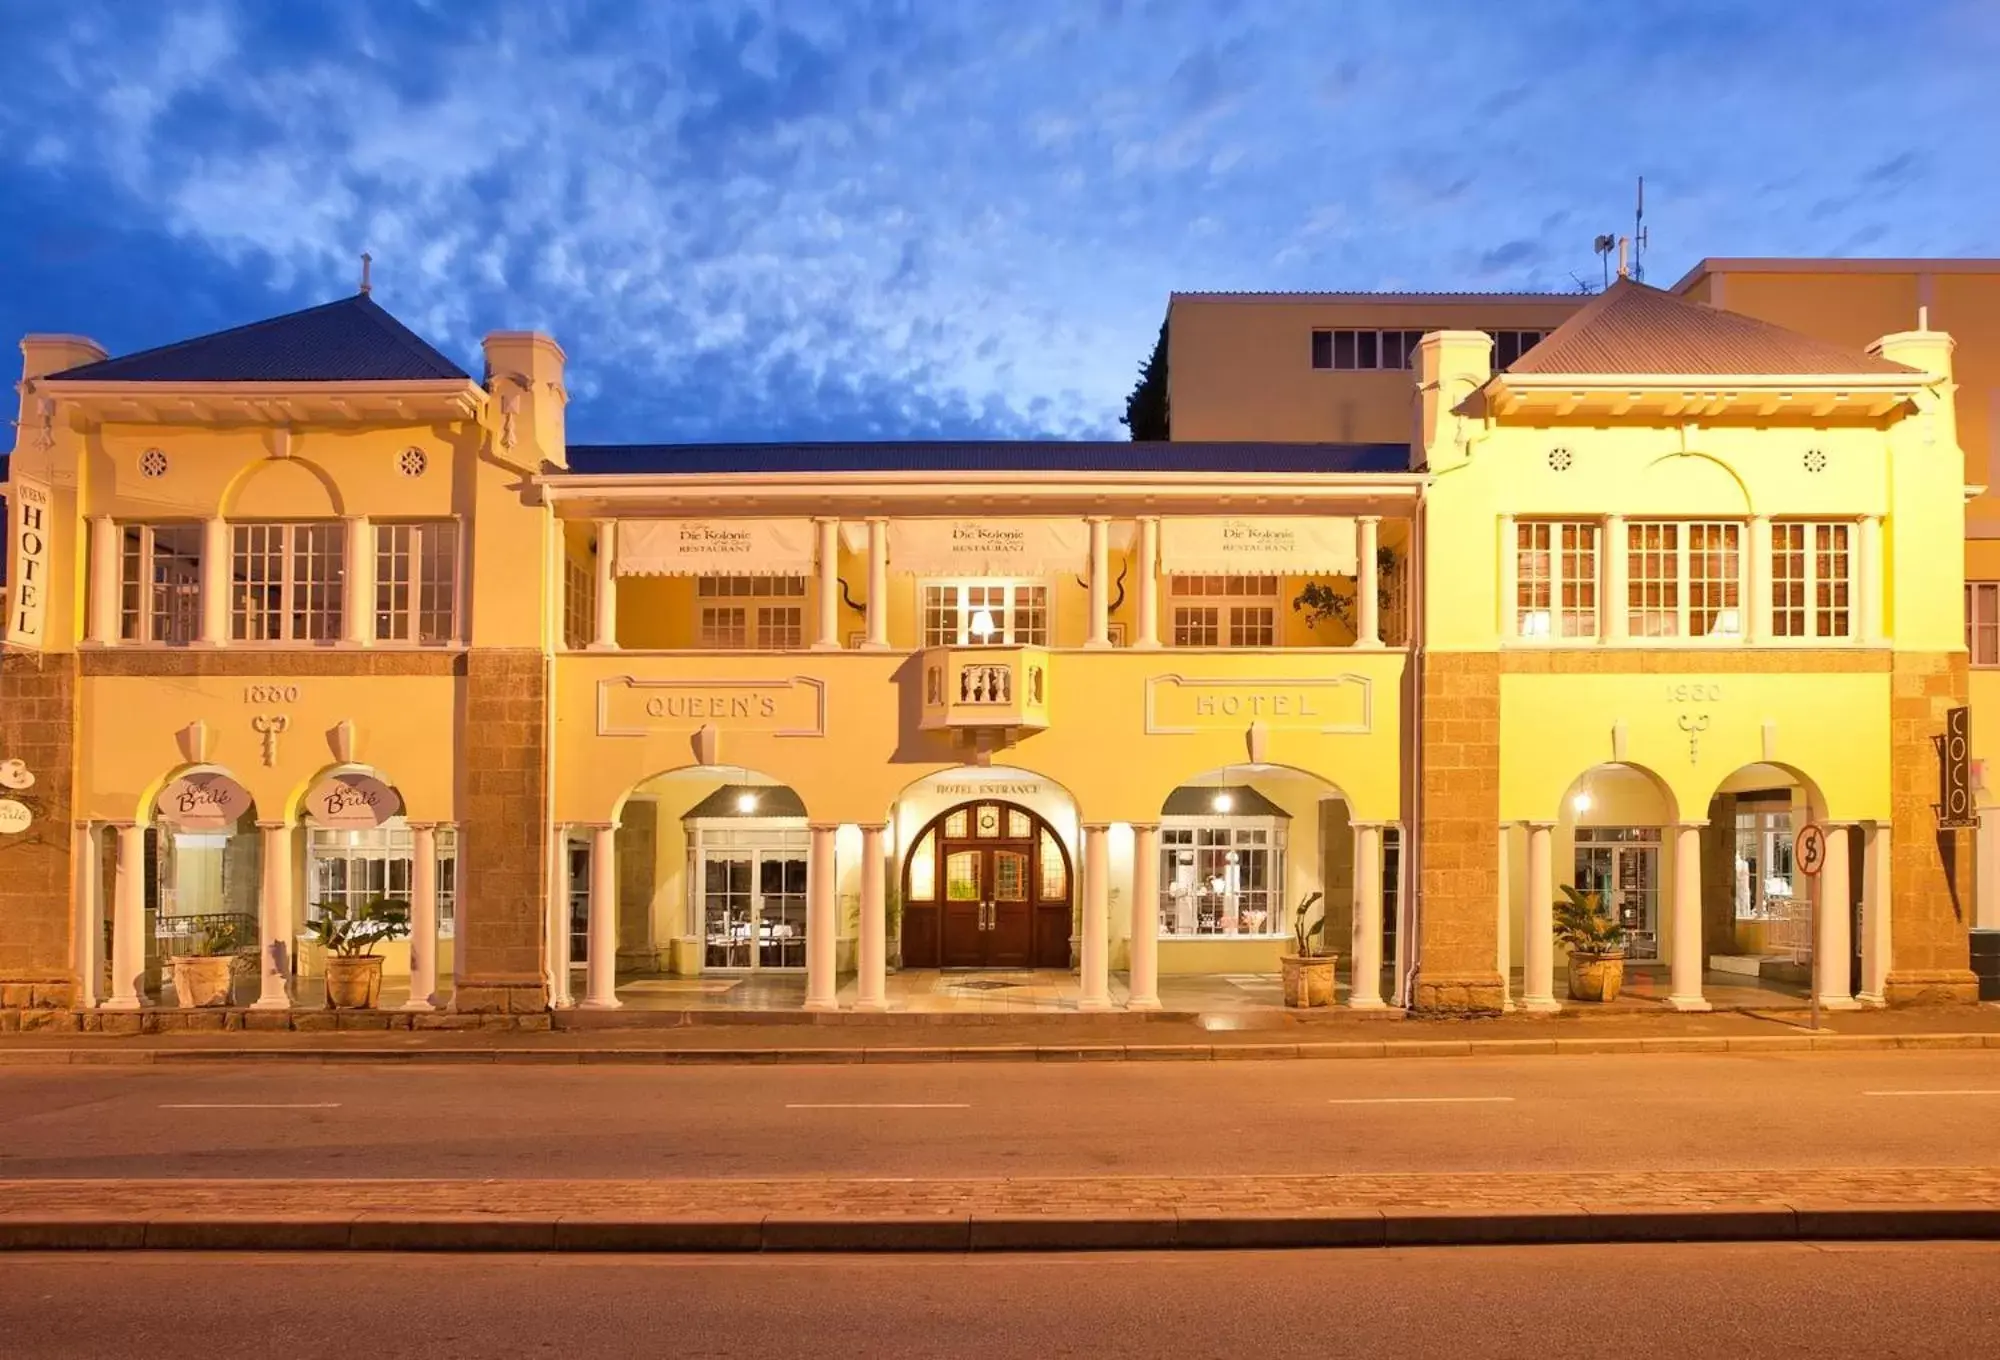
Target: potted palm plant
point(202, 976)
point(349, 935)
point(1308, 969)
point(1596, 945)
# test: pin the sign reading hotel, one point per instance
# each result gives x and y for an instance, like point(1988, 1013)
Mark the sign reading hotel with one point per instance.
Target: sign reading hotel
point(1329, 704)
point(28, 562)
point(631, 707)
point(728, 547)
point(1261, 545)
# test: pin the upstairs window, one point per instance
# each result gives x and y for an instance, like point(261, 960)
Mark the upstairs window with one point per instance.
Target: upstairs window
point(287, 581)
point(1224, 611)
point(1684, 579)
point(1364, 349)
point(579, 604)
point(159, 583)
point(1982, 622)
point(1810, 585)
point(1555, 579)
point(762, 621)
point(985, 614)
point(416, 582)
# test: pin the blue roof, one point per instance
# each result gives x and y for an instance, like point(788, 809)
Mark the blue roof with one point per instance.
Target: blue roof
point(1021, 455)
point(352, 340)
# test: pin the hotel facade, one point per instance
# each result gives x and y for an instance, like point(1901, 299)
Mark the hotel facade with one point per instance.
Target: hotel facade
point(1429, 607)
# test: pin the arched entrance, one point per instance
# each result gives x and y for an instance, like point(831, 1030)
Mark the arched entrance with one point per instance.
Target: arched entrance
point(987, 884)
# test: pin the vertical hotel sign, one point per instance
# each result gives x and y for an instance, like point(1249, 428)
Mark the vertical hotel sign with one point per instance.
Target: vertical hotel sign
point(1955, 810)
point(28, 526)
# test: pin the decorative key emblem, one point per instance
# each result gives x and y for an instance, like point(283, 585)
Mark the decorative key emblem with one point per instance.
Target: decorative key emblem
point(269, 726)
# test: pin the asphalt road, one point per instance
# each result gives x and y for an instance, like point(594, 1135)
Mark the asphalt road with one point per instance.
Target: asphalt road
point(1433, 1114)
point(1823, 1302)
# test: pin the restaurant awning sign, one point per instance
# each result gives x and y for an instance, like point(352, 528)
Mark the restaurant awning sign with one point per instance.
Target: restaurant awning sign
point(1257, 545)
point(989, 547)
point(715, 547)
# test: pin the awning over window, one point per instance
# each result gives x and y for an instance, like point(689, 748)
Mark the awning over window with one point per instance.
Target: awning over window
point(715, 547)
point(1262, 545)
point(989, 547)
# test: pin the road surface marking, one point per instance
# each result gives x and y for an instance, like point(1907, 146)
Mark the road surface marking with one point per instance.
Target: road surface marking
point(877, 1105)
point(1424, 1100)
point(1931, 1093)
point(310, 1105)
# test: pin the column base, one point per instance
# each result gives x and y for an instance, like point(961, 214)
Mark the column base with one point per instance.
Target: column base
point(600, 646)
point(417, 1006)
point(1374, 1003)
point(872, 1007)
point(1094, 1003)
point(1839, 1003)
point(611, 1005)
point(1688, 1003)
point(1908, 986)
point(1871, 1001)
point(1142, 1003)
point(874, 646)
point(833, 646)
point(814, 1004)
point(1374, 646)
point(1543, 1005)
point(123, 1003)
point(1097, 645)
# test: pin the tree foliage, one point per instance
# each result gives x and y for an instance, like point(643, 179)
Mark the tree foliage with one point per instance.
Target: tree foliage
point(1146, 414)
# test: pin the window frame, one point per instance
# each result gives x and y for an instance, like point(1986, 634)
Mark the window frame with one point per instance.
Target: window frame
point(1684, 583)
point(1563, 577)
point(750, 613)
point(413, 612)
point(1276, 833)
point(1040, 606)
point(579, 623)
point(139, 583)
point(292, 592)
point(1973, 591)
point(390, 844)
point(1811, 609)
point(1229, 604)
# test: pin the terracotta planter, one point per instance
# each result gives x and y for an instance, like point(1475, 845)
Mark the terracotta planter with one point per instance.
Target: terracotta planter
point(1308, 981)
point(1596, 977)
point(353, 984)
point(203, 980)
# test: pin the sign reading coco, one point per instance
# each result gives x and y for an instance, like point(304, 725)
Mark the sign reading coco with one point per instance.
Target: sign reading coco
point(28, 547)
point(630, 707)
point(204, 801)
point(1338, 703)
point(356, 801)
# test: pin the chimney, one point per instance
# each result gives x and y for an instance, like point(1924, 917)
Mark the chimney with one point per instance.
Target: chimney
point(1624, 250)
point(524, 376)
point(1451, 366)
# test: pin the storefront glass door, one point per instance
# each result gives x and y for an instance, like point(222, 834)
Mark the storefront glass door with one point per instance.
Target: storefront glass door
point(1622, 865)
point(751, 886)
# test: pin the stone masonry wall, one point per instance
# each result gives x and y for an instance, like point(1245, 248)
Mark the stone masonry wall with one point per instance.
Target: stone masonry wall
point(1459, 832)
point(502, 849)
point(37, 726)
point(1930, 871)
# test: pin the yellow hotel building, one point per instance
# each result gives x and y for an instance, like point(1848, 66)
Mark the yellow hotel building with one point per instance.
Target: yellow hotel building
point(1615, 591)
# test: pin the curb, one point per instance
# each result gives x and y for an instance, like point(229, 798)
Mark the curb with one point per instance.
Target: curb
point(93, 1054)
point(1168, 1231)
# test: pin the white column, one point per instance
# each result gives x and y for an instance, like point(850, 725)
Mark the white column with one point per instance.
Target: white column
point(1148, 573)
point(878, 585)
point(1508, 578)
point(1833, 940)
point(1143, 979)
point(600, 990)
point(274, 918)
point(1503, 954)
point(101, 625)
point(87, 943)
point(871, 988)
point(1538, 925)
point(358, 598)
point(1873, 628)
point(1684, 992)
point(1100, 582)
point(1364, 981)
point(822, 923)
point(1875, 916)
point(423, 917)
point(562, 995)
point(128, 919)
point(1095, 952)
point(1757, 597)
point(827, 637)
point(1986, 871)
point(1367, 583)
point(1616, 604)
point(216, 556)
point(607, 586)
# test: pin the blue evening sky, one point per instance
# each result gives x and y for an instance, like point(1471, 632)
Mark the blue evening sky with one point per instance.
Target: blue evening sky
point(939, 217)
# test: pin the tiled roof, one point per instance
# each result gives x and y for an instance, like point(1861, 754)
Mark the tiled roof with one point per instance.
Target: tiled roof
point(1630, 328)
point(1367, 295)
point(352, 340)
point(989, 456)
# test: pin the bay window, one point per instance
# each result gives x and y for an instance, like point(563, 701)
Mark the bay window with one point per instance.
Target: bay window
point(348, 868)
point(1224, 611)
point(159, 583)
point(287, 581)
point(1684, 579)
point(1222, 875)
point(416, 582)
point(762, 620)
point(1811, 583)
point(1555, 579)
point(985, 613)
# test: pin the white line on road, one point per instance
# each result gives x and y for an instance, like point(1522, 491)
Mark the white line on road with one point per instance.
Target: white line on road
point(1931, 1093)
point(1425, 1100)
point(878, 1105)
point(311, 1105)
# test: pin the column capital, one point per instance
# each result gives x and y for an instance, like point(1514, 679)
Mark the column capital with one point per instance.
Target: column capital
point(1096, 826)
point(1539, 825)
point(273, 825)
point(1370, 826)
point(119, 824)
point(1367, 519)
point(817, 827)
point(1143, 826)
point(1691, 824)
point(1098, 519)
point(420, 826)
point(593, 826)
point(873, 828)
point(877, 519)
point(826, 519)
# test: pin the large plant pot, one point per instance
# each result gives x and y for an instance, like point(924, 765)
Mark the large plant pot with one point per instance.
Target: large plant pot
point(203, 980)
point(1596, 977)
point(353, 984)
point(1308, 981)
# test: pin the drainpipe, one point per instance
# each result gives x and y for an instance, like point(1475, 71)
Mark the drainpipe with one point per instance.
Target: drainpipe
point(1410, 928)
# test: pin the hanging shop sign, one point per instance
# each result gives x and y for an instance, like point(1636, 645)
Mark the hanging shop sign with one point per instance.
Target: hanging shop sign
point(1260, 545)
point(204, 801)
point(1955, 808)
point(715, 547)
point(989, 547)
point(28, 522)
point(14, 817)
point(358, 802)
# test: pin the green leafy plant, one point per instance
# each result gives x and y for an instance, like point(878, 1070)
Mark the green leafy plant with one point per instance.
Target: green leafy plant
point(1309, 936)
point(1320, 601)
point(217, 939)
point(353, 932)
point(1584, 926)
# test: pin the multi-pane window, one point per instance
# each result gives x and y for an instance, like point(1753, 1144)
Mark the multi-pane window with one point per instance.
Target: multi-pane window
point(159, 583)
point(1372, 349)
point(1222, 876)
point(579, 604)
point(985, 614)
point(1684, 579)
point(287, 582)
point(351, 868)
point(416, 582)
point(1811, 581)
point(1982, 622)
point(1224, 611)
point(1555, 579)
point(763, 621)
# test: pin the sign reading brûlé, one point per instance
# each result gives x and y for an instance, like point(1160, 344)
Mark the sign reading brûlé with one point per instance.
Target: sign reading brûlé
point(358, 802)
point(793, 706)
point(203, 801)
point(1336, 703)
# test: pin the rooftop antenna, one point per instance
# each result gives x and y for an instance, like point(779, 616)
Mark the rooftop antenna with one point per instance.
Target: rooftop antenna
point(1639, 234)
point(366, 260)
point(1604, 245)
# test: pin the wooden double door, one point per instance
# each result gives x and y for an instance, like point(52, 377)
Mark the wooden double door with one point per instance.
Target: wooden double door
point(999, 888)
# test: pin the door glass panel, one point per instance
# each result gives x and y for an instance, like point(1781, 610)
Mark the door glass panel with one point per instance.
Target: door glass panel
point(1055, 882)
point(726, 912)
point(1019, 827)
point(579, 905)
point(923, 869)
point(986, 821)
point(961, 876)
point(781, 937)
point(954, 826)
point(1010, 876)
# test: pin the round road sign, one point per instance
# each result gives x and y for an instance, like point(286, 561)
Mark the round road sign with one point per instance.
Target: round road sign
point(1809, 849)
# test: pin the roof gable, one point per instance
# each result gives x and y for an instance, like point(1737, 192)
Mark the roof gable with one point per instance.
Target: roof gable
point(1632, 329)
point(352, 340)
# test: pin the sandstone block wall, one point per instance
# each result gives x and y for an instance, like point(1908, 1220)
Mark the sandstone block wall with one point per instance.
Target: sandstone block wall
point(502, 846)
point(1458, 832)
point(38, 726)
point(1930, 871)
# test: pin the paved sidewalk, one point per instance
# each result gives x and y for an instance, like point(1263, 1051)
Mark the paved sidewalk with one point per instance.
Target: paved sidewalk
point(1042, 1213)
